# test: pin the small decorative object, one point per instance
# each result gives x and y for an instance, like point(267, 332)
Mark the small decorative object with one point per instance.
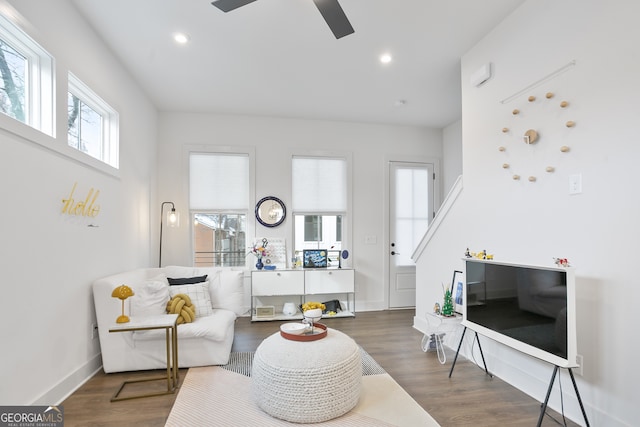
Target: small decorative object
point(550, 169)
point(564, 149)
point(516, 177)
point(562, 262)
point(505, 166)
point(270, 267)
point(564, 104)
point(505, 130)
point(436, 308)
point(122, 292)
point(289, 309)
point(259, 251)
point(532, 179)
point(549, 95)
point(515, 112)
point(312, 312)
point(293, 328)
point(344, 254)
point(532, 98)
point(467, 253)
point(530, 136)
point(570, 124)
point(501, 148)
point(447, 306)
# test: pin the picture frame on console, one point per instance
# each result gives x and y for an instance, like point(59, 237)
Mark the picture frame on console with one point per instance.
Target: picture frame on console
point(314, 258)
point(457, 290)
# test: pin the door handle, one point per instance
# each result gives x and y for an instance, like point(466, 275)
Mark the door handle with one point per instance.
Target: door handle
point(395, 253)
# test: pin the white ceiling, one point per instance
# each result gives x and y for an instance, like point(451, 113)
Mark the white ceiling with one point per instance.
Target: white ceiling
point(279, 57)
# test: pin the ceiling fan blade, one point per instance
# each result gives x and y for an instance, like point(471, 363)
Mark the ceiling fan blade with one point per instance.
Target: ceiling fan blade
point(228, 5)
point(334, 16)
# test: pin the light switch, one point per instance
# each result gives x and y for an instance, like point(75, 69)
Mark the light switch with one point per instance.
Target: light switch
point(575, 184)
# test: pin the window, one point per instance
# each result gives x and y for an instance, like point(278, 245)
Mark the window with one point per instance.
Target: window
point(92, 125)
point(219, 203)
point(319, 203)
point(26, 79)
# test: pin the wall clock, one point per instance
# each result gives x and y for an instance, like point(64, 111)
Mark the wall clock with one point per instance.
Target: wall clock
point(537, 126)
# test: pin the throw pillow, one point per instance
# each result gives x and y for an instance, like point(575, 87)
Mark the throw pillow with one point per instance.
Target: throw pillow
point(199, 295)
point(182, 306)
point(186, 280)
point(150, 298)
point(227, 291)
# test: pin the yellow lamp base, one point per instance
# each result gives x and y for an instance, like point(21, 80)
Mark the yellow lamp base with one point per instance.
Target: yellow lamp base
point(122, 319)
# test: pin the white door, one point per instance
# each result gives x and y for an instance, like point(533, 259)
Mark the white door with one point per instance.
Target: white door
point(410, 211)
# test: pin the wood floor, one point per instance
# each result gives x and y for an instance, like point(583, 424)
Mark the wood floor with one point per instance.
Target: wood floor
point(469, 398)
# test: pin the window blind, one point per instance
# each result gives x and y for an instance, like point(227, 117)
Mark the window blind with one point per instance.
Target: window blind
point(218, 181)
point(319, 184)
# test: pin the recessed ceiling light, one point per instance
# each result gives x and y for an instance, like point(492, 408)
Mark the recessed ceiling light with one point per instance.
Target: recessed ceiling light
point(385, 58)
point(181, 38)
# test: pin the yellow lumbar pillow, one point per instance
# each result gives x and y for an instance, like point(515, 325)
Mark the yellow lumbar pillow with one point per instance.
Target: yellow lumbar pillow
point(182, 306)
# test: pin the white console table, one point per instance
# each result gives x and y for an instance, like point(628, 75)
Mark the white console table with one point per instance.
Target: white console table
point(271, 288)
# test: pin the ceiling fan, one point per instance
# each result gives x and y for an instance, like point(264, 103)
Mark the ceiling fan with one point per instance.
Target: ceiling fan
point(330, 9)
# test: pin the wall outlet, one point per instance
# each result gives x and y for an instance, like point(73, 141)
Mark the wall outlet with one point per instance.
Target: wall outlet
point(94, 331)
point(579, 361)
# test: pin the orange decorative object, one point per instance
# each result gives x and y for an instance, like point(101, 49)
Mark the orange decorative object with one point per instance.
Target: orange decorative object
point(122, 292)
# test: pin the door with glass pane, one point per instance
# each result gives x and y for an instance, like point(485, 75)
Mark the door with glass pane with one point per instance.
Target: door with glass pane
point(410, 211)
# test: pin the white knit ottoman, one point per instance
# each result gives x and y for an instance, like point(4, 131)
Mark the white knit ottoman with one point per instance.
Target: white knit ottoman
point(307, 381)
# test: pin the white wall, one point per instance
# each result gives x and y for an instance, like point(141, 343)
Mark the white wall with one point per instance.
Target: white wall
point(534, 222)
point(274, 140)
point(49, 259)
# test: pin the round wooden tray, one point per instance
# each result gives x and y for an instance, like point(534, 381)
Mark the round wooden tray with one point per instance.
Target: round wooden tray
point(319, 332)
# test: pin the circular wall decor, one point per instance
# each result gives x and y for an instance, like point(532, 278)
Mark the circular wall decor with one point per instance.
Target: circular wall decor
point(532, 136)
point(270, 211)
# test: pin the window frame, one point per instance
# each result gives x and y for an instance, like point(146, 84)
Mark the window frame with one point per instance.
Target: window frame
point(39, 97)
point(226, 150)
point(346, 221)
point(109, 132)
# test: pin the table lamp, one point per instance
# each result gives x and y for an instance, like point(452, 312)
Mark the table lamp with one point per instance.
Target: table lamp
point(122, 292)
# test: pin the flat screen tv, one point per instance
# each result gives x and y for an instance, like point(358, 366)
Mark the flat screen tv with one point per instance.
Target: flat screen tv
point(529, 308)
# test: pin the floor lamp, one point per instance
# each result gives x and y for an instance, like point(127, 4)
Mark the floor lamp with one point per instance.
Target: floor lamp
point(173, 220)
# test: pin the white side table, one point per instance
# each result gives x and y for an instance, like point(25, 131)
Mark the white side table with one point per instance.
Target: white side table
point(438, 327)
point(168, 322)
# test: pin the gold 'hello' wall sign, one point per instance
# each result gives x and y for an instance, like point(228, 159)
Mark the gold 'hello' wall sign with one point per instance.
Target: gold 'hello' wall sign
point(86, 207)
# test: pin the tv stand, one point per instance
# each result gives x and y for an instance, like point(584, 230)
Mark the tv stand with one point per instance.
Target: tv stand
point(543, 410)
point(453, 365)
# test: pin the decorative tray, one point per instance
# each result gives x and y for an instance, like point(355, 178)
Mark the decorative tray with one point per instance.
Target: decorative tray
point(319, 332)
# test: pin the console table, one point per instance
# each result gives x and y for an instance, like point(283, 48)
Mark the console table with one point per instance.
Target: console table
point(168, 322)
point(302, 285)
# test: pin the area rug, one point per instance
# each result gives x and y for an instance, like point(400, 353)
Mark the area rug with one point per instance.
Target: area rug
point(218, 396)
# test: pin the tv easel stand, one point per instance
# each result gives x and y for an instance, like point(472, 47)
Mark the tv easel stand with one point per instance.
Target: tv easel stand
point(453, 365)
point(575, 387)
point(543, 408)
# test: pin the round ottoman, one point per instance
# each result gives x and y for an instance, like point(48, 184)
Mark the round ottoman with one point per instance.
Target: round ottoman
point(307, 381)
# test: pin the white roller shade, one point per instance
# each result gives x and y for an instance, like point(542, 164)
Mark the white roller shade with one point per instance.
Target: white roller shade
point(319, 184)
point(218, 181)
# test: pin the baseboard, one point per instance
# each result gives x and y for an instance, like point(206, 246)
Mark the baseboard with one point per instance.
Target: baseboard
point(63, 389)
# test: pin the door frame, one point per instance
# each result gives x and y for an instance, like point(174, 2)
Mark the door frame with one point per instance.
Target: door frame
point(437, 200)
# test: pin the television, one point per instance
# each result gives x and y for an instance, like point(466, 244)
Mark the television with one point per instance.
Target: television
point(529, 308)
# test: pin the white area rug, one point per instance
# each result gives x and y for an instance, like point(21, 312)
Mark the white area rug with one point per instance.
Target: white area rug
point(216, 396)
